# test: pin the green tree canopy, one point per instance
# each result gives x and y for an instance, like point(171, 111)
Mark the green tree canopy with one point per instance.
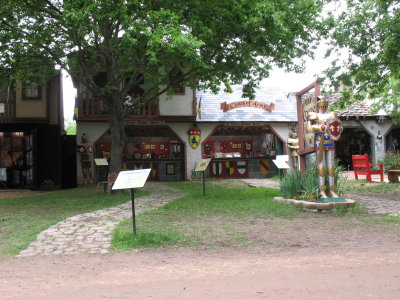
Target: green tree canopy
point(140, 43)
point(370, 31)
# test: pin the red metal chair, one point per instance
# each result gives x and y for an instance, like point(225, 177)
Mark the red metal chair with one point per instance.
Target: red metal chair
point(362, 166)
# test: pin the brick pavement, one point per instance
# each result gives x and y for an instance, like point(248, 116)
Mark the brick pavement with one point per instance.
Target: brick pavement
point(91, 232)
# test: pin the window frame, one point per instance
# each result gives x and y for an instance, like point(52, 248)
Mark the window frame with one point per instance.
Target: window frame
point(28, 85)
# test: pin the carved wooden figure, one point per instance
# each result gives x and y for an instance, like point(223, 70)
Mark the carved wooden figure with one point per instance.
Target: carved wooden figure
point(293, 144)
point(86, 151)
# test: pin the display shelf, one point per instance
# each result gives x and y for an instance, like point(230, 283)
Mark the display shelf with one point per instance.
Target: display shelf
point(151, 160)
point(243, 158)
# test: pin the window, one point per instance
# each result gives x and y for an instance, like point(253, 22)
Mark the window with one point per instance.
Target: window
point(31, 91)
point(4, 90)
point(177, 86)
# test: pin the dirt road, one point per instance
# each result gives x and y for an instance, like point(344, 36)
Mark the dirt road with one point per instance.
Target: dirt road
point(207, 274)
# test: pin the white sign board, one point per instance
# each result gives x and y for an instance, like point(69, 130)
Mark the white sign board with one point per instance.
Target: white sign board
point(3, 174)
point(281, 161)
point(131, 179)
point(101, 162)
point(2, 108)
point(203, 164)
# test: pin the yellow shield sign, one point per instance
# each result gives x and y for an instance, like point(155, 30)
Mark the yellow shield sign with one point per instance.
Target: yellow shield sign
point(194, 137)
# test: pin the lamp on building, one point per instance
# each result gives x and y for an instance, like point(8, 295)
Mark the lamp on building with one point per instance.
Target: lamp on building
point(379, 136)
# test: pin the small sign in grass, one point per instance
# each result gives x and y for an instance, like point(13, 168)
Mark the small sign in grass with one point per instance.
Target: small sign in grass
point(331, 200)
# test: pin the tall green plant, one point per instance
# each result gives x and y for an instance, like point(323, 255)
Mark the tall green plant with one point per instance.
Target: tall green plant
point(309, 182)
point(297, 184)
point(340, 179)
point(291, 184)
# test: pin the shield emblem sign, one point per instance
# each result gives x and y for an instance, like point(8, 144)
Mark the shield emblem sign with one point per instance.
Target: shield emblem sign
point(335, 129)
point(194, 137)
point(264, 167)
point(217, 169)
point(241, 167)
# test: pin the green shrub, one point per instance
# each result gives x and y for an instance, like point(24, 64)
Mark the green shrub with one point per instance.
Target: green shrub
point(309, 182)
point(391, 160)
point(291, 184)
point(196, 175)
point(340, 179)
point(295, 184)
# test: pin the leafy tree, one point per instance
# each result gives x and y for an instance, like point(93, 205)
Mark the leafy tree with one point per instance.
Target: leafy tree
point(70, 127)
point(138, 44)
point(370, 31)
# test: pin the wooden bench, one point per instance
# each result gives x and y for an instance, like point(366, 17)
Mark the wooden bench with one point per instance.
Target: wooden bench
point(362, 166)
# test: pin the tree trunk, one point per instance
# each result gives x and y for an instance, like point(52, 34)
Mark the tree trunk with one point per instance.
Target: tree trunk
point(118, 136)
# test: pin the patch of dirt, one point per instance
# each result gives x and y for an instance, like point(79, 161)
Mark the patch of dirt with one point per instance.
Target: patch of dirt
point(18, 193)
point(313, 231)
point(317, 256)
point(223, 273)
point(228, 182)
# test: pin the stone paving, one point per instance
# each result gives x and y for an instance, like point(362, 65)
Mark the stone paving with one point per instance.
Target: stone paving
point(91, 232)
point(377, 205)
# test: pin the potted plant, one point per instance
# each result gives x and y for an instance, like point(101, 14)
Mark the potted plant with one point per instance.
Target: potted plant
point(391, 165)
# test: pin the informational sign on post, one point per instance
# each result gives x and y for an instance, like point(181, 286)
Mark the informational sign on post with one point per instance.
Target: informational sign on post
point(202, 167)
point(131, 180)
point(281, 161)
point(101, 162)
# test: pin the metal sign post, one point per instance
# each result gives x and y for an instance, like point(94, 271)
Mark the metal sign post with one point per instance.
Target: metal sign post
point(131, 180)
point(201, 167)
point(133, 211)
point(204, 183)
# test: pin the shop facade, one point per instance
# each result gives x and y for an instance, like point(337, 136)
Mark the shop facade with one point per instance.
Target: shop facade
point(31, 125)
point(365, 132)
point(241, 136)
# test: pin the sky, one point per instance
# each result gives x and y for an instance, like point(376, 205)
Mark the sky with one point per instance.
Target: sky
point(287, 82)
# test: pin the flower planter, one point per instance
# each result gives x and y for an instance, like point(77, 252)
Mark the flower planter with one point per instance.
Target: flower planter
point(393, 175)
point(315, 205)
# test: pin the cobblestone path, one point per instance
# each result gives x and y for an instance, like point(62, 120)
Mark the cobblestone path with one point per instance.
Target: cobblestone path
point(91, 232)
point(376, 205)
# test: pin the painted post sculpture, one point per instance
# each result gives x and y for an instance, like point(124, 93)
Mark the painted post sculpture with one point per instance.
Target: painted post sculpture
point(85, 149)
point(327, 129)
point(293, 144)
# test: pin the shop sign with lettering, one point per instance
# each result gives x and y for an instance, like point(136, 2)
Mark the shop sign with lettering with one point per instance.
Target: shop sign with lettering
point(250, 103)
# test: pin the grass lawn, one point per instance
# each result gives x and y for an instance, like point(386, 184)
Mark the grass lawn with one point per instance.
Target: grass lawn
point(21, 219)
point(230, 216)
